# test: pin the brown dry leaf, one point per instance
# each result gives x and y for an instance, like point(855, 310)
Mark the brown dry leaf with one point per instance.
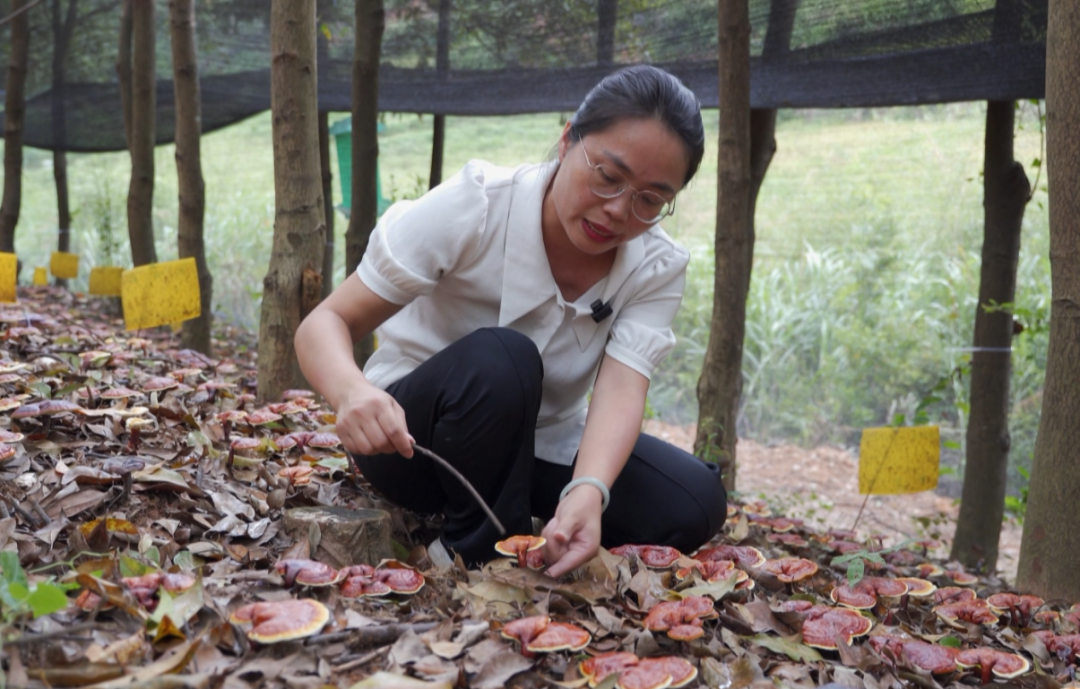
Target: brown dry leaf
point(173, 661)
point(387, 680)
point(499, 668)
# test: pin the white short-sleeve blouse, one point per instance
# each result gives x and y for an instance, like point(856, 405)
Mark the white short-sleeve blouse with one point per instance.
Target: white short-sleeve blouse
point(470, 254)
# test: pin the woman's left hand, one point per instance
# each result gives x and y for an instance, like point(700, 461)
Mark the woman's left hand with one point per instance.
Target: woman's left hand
point(573, 534)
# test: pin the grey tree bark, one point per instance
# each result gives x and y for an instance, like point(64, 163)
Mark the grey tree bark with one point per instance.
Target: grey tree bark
point(328, 203)
point(1050, 549)
point(140, 202)
point(192, 190)
point(14, 118)
point(62, 26)
point(123, 66)
point(442, 69)
point(293, 283)
point(721, 377)
point(370, 23)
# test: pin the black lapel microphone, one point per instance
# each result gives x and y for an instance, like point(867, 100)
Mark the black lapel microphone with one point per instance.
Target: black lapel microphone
point(600, 310)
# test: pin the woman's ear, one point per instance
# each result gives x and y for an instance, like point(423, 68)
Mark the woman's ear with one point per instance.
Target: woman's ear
point(564, 141)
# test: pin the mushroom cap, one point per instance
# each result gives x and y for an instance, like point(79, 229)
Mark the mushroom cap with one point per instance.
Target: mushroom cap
point(261, 417)
point(686, 632)
point(45, 408)
point(234, 415)
point(648, 677)
point(181, 373)
point(791, 569)
point(286, 408)
point(515, 545)
point(680, 669)
point(294, 393)
point(929, 569)
point(854, 597)
point(1004, 665)
point(399, 577)
point(794, 606)
point(525, 629)
point(177, 582)
point(307, 572)
point(284, 620)
point(9, 403)
point(655, 556)
point(159, 383)
point(7, 452)
point(745, 555)
point(926, 656)
point(597, 668)
point(1047, 616)
point(666, 615)
point(359, 585)
point(119, 392)
point(976, 611)
point(919, 588)
point(1005, 600)
point(791, 539)
point(559, 636)
point(1058, 643)
point(758, 508)
point(962, 578)
point(245, 443)
point(324, 440)
point(778, 524)
point(711, 570)
point(953, 594)
point(134, 422)
point(285, 442)
point(822, 628)
point(299, 475)
point(89, 601)
point(11, 436)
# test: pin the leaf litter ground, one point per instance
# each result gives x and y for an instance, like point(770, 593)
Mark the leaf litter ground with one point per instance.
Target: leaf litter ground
point(162, 539)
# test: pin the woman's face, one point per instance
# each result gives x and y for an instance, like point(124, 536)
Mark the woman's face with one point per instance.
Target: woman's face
point(644, 152)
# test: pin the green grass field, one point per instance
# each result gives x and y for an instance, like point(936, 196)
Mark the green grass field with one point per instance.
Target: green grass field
point(866, 271)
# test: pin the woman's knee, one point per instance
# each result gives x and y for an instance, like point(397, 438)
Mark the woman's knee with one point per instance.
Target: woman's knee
point(501, 357)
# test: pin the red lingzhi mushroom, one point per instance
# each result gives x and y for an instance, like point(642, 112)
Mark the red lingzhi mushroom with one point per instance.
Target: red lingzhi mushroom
point(307, 572)
point(597, 668)
point(518, 546)
point(791, 569)
point(865, 594)
point(655, 556)
point(824, 626)
point(976, 611)
point(746, 556)
point(1018, 606)
point(284, 620)
point(1001, 664)
point(668, 615)
point(953, 594)
point(932, 658)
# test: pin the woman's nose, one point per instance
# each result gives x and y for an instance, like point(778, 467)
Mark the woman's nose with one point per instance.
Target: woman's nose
point(619, 206)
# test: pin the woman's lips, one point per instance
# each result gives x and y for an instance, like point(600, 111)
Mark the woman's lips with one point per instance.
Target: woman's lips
point(597, 233)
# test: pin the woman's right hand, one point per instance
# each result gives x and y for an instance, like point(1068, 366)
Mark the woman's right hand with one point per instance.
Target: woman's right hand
point(370, 422)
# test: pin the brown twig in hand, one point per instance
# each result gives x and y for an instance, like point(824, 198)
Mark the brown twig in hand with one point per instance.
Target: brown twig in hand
point(464, 482)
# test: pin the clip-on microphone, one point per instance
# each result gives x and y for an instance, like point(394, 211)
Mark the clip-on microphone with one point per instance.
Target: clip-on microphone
point(600, 310)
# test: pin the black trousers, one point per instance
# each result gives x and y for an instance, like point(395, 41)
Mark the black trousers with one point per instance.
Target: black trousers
point(475, 404)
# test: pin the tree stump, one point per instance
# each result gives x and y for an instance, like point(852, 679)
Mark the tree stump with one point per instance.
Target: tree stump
point(341, 537)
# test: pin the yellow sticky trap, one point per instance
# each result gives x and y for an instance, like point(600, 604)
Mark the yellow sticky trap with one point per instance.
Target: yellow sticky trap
point(899, 460)
point(160, 294)
point(105, 281)
point(9, 268)
point(41, 276)
point(64, 265)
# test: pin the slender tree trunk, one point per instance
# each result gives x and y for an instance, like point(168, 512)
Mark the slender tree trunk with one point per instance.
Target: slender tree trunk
point(62, 27)
point(370, 22)
point(328, 203)
point(123, 67)
point(442, 69)
point(607, 15)
point(192, 190)
point(1005, 193)
point(1050, 550)
point(293, 284)
point(721, 378)
point(140, 203)
point(14, 116)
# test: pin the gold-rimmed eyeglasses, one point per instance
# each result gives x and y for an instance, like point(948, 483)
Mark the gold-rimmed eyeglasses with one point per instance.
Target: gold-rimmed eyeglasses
point(607, 182)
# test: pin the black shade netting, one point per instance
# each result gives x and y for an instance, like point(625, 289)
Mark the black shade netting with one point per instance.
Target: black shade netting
point(522, 56)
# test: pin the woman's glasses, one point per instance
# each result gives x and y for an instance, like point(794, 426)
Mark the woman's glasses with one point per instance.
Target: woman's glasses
point(607, 183)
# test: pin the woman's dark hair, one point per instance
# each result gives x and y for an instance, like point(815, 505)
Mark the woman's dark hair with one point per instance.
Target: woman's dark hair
point(644, 92)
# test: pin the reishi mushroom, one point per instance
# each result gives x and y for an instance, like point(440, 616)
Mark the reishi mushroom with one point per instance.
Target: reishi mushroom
point(953, 594)
point(518, 546)
point(864, 595)
point(933, 658)
point(976, 611)
point(1018, 606)
point(597, 668)
point(655, 556)
point(307, 572)
point(273, 622)
point(824, 626)
point(791, 569)
point(667, 616)
point(744, 555)
point(1001, 664)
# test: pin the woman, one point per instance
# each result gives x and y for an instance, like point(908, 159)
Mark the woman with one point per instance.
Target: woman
point(501, 297)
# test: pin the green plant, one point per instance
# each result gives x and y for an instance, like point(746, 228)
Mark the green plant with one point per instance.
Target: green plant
point(19, 597)
point(103, 217)
point(1016, 505)
point(856, 561)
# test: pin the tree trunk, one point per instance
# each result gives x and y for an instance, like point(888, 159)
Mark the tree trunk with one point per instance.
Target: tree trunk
point(14, 116)
point(140, 203)
point(1050, 550)
point(370, 22)
point(721, 377)
point(442, 69)
point(1005, 193)
point(328, 203)
point(607, 14)
point(123, 67)
point(292, 286)
point(62, 28)
point(192, 191)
